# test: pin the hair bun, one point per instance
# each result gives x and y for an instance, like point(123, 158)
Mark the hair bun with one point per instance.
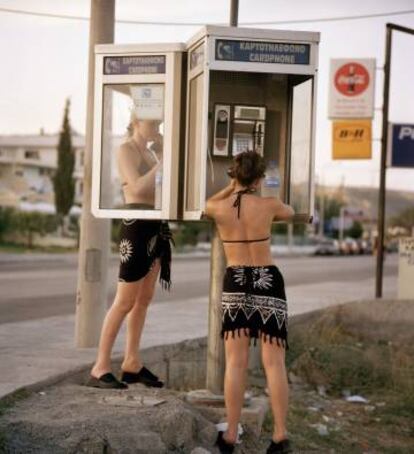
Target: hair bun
point(248, 167)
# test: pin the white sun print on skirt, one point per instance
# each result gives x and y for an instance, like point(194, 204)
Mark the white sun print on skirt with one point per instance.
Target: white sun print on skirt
point(125, 250)
point(262, 278)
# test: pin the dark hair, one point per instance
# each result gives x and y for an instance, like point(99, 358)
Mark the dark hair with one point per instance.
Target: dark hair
point(247, 167)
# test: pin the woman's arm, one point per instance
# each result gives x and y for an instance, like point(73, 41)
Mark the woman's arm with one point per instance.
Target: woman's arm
point(224, 193)
point(282, 211)
point(138, 184)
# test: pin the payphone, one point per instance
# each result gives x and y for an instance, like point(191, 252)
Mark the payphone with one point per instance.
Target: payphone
point(244, 124)
point(250, 89)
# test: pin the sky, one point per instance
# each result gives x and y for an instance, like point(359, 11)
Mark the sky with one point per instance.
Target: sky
point(44, 61)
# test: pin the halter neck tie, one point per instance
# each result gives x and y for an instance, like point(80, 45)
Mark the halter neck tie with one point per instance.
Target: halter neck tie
point(237, 202)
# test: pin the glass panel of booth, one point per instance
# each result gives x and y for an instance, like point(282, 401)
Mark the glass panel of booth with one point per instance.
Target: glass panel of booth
point(300, 143)
point(132, 146)
point(194, 143)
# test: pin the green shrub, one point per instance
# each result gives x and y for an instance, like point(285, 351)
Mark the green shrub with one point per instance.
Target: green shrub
point(6, 221)
point(31, 223)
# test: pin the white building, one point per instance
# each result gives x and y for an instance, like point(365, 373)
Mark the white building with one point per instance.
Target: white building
point(27, 163)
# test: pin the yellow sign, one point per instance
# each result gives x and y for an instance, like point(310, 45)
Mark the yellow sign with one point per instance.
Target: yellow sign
point(351, 139)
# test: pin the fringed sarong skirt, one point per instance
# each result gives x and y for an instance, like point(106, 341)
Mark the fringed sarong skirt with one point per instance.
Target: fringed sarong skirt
point(140, 243)
point(254, 301)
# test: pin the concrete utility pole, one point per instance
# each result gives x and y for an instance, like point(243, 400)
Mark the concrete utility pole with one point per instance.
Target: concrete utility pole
point(94, 244)
point(215, 347)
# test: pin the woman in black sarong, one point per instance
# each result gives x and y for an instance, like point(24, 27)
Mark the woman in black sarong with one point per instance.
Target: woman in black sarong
point(254, 302)
point(145, 253)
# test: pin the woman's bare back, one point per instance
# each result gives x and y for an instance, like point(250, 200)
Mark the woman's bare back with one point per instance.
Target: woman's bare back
point(256, 215)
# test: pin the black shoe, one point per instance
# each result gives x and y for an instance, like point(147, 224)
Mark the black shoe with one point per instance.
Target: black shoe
point(282, 447)
point(224, 447)
point(106, 381)
point(143, 376)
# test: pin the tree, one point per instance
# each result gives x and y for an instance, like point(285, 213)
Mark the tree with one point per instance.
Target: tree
point(356, 230)
point(63, 181)
point(6, 221)
point(332, 209)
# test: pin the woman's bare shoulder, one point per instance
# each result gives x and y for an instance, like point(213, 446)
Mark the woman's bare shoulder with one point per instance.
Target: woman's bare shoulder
point(126, 145)
point(270, 201)
point(127, 150)
point(272, 204)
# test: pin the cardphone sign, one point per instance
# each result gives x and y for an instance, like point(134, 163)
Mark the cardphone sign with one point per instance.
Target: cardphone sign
point(262, 52)
point(401, 145)
point(141, 64)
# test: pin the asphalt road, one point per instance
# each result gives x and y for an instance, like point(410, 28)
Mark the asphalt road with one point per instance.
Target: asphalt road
point(40, 286)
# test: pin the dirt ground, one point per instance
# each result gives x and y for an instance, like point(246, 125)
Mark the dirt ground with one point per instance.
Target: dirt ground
point(334, 356)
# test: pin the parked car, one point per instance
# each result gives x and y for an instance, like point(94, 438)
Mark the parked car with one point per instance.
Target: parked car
point(365, 246)
point(392, 246)
point(348, 246)
point(327, 246)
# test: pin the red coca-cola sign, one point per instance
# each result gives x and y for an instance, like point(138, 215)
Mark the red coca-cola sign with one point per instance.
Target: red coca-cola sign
point(351, 79)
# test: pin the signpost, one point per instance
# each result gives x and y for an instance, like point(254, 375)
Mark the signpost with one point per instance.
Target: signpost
point(384, 142)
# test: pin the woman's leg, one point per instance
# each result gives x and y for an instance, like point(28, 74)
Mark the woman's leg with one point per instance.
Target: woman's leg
point(124, 301)
point(237, 358)
point(273, 358)
point(136, 318)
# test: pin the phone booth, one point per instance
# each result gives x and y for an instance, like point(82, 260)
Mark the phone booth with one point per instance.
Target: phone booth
point(250, 89)
point(136, 131)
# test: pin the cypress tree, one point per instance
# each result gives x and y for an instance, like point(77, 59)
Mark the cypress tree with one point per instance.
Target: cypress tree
point(63, 181)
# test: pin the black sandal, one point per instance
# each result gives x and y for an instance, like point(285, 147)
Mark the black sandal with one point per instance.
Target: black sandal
point(143, 376)
point(223, 445)
point(106, 381)
point(281, 447)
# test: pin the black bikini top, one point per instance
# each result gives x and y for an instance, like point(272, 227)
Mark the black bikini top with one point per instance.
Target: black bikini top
point(237, 204)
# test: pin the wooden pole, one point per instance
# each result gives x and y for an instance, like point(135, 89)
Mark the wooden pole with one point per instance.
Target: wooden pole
point(215, 347)
point(91, 297)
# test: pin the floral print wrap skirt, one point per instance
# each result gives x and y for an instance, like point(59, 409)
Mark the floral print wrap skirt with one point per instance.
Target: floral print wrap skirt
point(141, 242)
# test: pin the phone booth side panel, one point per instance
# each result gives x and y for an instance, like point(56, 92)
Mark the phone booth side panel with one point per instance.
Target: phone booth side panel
point(196, 133)
point(301, 144)
point(172, 137)
point(97, 138)
point(313, 145)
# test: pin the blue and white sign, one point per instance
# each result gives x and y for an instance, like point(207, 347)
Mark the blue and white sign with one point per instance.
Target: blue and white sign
point(401, 145)
point(262, 52)
point(135, 64)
